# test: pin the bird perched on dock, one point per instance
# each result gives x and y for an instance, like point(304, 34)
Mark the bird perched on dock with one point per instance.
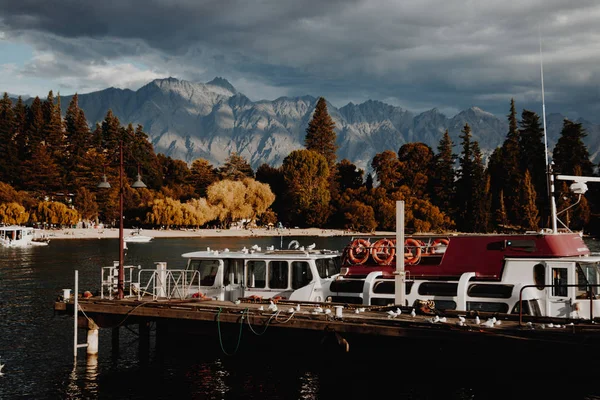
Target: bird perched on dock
point(392, 314)
point(413, 313)
point(461, 319)
point(435, 319)
point(272, 307)
point(477, 320)
point(489, 323)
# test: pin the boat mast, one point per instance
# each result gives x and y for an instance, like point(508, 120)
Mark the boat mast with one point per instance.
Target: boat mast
point(549, 172)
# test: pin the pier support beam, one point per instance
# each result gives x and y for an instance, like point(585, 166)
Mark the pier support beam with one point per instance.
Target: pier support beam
point(162, 330)
point(144, 343)
point(92, 338)
point(115, 340)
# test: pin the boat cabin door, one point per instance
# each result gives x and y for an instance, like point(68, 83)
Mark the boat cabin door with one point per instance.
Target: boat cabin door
point(233, 274)
point(559, 296)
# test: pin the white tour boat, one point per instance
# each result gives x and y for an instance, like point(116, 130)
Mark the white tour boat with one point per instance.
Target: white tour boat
point(297, 273)
point(20, 236)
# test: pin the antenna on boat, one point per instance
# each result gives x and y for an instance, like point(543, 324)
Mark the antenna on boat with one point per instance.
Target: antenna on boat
point(550, 173)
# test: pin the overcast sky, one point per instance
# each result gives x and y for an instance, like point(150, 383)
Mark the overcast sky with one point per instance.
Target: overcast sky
point(416, 54)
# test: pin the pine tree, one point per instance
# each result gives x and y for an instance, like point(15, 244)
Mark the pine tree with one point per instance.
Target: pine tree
point(570, 152)
point(78, 138)
point(464, 183)
point(531, 218)
point(8, 149)
point(320, 134)
point(511, 167)
point(442, 180)
point(202, 175)
point(480, 197)
point(533, 158)
point(236, 168)
point(34, 130)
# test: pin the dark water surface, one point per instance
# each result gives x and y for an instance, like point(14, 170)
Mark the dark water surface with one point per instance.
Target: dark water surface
point(36, 346)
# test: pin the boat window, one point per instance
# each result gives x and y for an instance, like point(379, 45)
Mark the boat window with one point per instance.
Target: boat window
point(389, 287)
point(438, 288)
point(256, 274)
point(559, 280)
point(445, 304)
point(539, 276)
point(327, 267)
point(207, 270)
point(490, 291)
point(486, 306)
point(233, 271)
point(587, 278)
point(530, 307)
point(301, 275)
point(278, 275)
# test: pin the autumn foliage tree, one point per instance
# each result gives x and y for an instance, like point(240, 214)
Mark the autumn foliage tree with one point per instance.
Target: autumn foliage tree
point(306, 176)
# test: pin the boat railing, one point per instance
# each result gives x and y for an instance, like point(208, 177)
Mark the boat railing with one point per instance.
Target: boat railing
point(588, 286)
point(167, 283)
point(110, 280)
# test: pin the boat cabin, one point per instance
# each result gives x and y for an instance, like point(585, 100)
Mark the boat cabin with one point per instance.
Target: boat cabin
point(542, 274)
point(302, 275)
point(14, 235)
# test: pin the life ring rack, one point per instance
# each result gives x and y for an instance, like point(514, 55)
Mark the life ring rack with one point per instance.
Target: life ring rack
point(411, 258)
point(359, 251)
point(383, 251)
point(437, 243)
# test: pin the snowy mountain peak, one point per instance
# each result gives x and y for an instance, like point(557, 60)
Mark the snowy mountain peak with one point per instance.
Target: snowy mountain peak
point(223, 84)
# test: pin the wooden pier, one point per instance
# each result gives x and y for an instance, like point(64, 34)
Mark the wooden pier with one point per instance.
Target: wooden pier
point(373, 333)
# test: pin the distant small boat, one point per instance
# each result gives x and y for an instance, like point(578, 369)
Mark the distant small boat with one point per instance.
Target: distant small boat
point(137, 237)
point(20, 236)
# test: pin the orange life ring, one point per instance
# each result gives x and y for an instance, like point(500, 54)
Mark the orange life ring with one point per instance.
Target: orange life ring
point(383, 251)
point(410, 257)
point(437, 242)
point(358, 253)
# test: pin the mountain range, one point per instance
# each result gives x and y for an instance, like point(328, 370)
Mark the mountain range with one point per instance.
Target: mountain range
point(186, 121)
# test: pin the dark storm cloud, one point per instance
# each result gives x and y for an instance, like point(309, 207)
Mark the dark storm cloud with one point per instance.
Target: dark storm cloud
point(416, 54)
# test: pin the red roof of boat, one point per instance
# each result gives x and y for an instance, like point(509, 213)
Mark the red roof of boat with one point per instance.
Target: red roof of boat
point(482, 254)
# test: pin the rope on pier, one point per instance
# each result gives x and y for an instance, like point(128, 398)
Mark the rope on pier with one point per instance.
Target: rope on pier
point(274, 315)
point(239, 336)
point(120, 322)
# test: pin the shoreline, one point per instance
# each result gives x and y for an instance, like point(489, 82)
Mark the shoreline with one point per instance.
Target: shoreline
point(113, 233)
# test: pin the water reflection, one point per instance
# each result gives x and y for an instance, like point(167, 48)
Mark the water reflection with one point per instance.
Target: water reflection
point(91, 374)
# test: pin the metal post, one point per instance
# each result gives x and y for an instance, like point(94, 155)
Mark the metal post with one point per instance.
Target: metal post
point(75, 305)
point(552, 200)
point(121, 282)
point(400, 275)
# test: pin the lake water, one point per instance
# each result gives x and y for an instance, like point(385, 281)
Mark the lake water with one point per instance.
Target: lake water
point(36, 345)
